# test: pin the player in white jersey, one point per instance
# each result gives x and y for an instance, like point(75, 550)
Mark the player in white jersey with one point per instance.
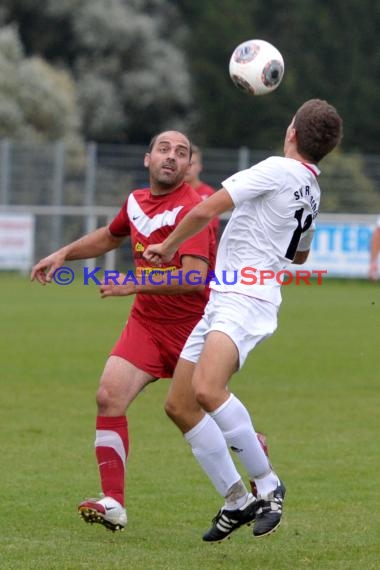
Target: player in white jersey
point(274, 205)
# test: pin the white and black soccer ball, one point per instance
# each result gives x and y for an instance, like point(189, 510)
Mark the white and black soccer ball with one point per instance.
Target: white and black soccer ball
point(256, 67)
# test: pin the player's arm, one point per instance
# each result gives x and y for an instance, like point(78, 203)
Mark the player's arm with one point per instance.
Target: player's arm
point(91, 245)
point(301, 257)
point(303, 248)
point(190, 278)
point(192, 223)
point(374, 254)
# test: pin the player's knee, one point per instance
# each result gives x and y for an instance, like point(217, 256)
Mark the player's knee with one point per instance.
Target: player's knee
point(207, 397)
point(185, 415)
point(172, 409)
point(103, 400)
point(203, 398)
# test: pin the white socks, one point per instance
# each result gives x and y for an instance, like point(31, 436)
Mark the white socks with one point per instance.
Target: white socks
point(230, 426)
point(265, 485)
point(210, 450)
point(235, 423)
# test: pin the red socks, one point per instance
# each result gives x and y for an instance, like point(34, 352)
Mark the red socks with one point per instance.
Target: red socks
point(111, 447)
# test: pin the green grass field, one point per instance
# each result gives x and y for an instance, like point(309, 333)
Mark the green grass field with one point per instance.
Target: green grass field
point(313, 389)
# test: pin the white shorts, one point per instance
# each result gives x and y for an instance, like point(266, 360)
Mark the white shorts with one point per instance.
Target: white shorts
point(246, 320)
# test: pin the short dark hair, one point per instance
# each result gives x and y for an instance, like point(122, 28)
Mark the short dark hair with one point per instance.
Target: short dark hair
point(154, 138)
point(319, 129)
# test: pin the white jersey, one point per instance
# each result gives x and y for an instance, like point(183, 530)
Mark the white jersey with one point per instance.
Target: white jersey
point(275, 202)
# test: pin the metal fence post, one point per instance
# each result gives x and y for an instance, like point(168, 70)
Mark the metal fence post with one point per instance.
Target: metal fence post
point(4, 171)
point(110, 257)
point(57, 196)
point(243, 158)
point(89, 194)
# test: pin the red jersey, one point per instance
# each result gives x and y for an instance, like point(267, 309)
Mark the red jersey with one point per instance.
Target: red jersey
point(149, 219)
point(204, 191)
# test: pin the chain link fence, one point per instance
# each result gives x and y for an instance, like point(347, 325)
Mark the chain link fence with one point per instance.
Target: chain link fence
point(71, 193)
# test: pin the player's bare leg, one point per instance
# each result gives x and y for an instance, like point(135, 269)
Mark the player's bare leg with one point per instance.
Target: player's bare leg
point(120, 383)
point(218, 361)
point(181, 405)
point(210, 450)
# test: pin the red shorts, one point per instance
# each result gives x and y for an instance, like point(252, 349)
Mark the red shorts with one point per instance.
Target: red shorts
point(153, 347)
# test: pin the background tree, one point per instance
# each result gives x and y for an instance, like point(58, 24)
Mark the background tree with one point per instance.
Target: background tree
point(143, 65)
point(131, 73)
point(330, 51)
point(36, 101)
point(348, 188)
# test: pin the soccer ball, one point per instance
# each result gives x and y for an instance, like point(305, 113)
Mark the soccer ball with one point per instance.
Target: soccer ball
point(256, 67)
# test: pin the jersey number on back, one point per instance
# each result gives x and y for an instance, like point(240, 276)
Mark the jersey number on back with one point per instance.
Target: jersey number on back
point(300, 229)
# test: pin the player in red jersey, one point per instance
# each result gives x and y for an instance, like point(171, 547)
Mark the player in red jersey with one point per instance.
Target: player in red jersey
point(204, 190)
point(167, 306)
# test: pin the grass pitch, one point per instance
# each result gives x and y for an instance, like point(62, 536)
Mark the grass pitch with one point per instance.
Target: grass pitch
point(313, 388)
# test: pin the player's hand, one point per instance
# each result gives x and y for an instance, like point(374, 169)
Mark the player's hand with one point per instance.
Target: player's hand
point(157, 254)
point(43, 271)
point(113, 290)
point(373, 271)
point(110, 280)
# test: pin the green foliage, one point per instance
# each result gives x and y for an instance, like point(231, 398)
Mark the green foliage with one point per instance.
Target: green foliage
point(145, 65)
point(345, 186)
point(127, 59)
point(330, 51)
point(312, 388)
point(36, 101)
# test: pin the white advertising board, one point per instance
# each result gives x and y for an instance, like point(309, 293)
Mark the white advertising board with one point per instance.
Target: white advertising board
point(341, 245)
point(16, 241)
